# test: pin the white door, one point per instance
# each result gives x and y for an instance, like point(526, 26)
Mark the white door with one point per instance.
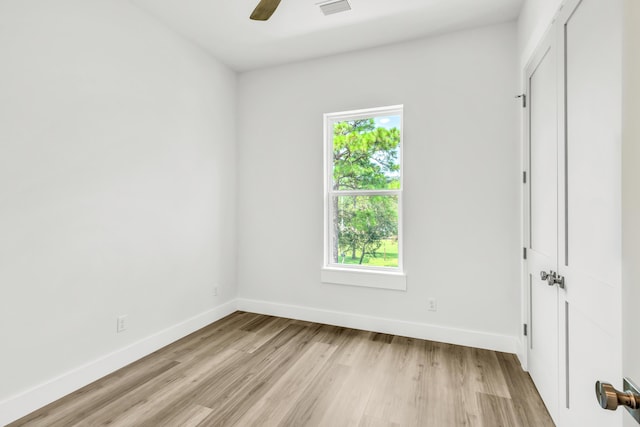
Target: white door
point(590, 208)
point(581, 332)
point(542, 235)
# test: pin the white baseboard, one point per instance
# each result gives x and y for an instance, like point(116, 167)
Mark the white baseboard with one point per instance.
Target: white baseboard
point(489, 341)
point(24, 403)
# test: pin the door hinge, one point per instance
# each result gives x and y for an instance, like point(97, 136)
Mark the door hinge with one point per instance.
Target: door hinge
point(524, 253)
point(524, 177)
point(525, 329)
point(524, 100)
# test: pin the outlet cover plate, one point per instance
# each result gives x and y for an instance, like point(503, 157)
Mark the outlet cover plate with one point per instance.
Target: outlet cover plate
point(121, 323)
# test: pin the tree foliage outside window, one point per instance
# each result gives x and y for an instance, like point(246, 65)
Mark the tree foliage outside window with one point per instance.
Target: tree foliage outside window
point(365, 189)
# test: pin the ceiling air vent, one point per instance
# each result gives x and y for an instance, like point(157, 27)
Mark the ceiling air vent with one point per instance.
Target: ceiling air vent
point(331, 7)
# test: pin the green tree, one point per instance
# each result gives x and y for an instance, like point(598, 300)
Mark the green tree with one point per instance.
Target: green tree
point(365, 157)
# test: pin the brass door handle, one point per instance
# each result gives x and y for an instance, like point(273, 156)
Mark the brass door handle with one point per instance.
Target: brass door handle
point(610, 398)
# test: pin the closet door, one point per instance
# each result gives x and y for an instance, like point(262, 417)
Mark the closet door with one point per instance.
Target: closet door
point(573, 222)
point(590, 37)
point(542, 258)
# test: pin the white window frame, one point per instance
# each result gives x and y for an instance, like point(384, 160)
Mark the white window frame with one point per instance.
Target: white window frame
point(351, 274)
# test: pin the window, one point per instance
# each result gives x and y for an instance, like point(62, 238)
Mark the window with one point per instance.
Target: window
point(363, 197)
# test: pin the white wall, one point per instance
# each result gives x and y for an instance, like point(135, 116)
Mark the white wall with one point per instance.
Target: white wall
point(535, 18)
point(631, 195)
point(462, 243)
point(117, 183)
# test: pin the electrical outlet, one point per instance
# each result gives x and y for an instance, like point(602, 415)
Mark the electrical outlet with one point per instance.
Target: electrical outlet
point(215, 291)
point(122, 323)
point(432, 304)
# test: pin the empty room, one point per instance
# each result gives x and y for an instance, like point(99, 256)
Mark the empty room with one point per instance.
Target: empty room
point(319, 213)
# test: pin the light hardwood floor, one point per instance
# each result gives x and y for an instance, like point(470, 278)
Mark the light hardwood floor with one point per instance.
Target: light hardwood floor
point(255, 370)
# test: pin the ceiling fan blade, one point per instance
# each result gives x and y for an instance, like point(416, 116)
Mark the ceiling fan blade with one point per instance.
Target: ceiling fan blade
point(264, 10)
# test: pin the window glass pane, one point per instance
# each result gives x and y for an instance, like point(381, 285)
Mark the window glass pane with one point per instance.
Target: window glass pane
point(365, 230)
point(366, 154)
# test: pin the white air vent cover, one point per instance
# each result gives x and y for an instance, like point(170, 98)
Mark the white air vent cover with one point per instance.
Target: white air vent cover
point(331, 7)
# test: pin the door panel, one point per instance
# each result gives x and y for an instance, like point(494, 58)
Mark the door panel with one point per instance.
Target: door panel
point(542, 352)
point(590, 349)
point(543, 155)
point(590, 225)
point(593, 113)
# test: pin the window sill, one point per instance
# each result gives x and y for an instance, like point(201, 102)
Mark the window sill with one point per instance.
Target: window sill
point(364, 278)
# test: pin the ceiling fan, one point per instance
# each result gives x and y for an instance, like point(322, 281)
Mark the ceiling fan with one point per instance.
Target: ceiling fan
point(264, 10)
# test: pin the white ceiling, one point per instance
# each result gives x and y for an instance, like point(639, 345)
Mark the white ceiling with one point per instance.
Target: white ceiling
point(298, 30)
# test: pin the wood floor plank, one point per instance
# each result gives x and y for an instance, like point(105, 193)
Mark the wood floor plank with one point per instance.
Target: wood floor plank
point(276, 402)
point(394, 378)
point(528, 406)
point(187, 416)
point(488, 377)
point(93, 397)
point(409, 406)
point(255, 377)
point(163, 394)
point(451, 396)
point(496, 411)
point(317, 399)
point(220, 386)
point(351, 401)
point(214, 337)
point(256, 338)
point(369, 421)
point(249, 369)
point(258, 323)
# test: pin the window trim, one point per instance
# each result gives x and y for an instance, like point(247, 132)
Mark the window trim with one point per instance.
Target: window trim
point(352, 274)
